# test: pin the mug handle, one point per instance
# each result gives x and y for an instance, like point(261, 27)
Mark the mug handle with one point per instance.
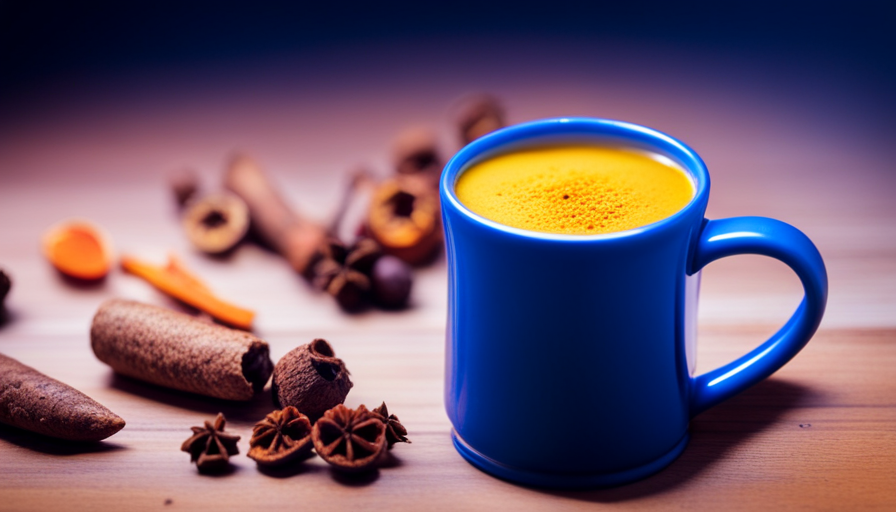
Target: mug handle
point(768, 237)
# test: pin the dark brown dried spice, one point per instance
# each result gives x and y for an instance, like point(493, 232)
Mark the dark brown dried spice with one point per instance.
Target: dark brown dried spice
point(391, 280)
point(311, 378)
point(478, 116)
point(216, 223)
point(415, 151)
point(210, 447)
point(350, 440)
point(343, 272)
point(404, 219)
point(395, 431)
point(184, 184)
point(5, 285)
point(282, 436)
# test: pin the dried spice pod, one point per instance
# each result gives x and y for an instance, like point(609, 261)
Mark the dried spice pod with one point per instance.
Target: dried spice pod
point(184, 184)
point(404, 219)
point(210, 447)
point(415, 151)
point(281, 437)
point(175, 350)
point(350, 440)
point(395, 431)
point(478, 116)
point(33, 401)
point(216, 223)
point(311, 378)
point(295, 238)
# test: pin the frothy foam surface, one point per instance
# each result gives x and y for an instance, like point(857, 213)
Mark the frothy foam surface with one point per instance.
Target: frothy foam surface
point(580, 190)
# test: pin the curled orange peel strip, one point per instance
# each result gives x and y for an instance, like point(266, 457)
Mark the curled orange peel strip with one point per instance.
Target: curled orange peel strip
point(176, 281)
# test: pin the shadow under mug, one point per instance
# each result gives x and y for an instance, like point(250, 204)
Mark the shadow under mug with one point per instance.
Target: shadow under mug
point(570, 358)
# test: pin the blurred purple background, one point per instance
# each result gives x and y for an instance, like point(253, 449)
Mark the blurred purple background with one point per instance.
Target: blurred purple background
point(791, 105)
point(43, 45)
point(170, 72)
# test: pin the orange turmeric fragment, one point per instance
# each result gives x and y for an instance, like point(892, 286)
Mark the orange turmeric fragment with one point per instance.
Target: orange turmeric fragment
point(78, 249)
point(176, 281)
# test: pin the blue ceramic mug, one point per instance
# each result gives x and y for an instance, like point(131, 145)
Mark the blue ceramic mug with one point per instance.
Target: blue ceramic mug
point(570, 358)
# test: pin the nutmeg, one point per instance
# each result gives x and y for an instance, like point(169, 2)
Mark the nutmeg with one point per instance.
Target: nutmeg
point(311, 378)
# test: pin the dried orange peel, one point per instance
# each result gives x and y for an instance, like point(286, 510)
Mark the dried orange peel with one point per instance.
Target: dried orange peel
point(176, 281)
point(78, 249)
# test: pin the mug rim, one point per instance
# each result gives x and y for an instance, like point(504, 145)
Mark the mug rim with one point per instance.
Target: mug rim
point(578, 127)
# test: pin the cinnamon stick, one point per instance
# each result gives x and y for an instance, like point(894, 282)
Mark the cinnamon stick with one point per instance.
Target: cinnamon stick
point(175, 350)
point(279, 226)
point(33, 401)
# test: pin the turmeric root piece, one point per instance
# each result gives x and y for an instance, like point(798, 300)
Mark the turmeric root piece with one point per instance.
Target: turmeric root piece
point(32, 401)
point(78, 249)
point(176, 281)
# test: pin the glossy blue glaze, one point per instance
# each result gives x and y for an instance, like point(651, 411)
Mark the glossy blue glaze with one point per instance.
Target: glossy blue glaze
point(566, 357)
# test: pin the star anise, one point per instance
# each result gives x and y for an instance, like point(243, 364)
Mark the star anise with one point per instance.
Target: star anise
point(344, 271)
point(395, 431)
point(282, 436)
point(350, 440)
point(210, 447)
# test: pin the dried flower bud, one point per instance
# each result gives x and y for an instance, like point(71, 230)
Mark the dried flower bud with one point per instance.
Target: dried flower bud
point(415, 151)
point(478, 116)
point(391, 280)
point(350, 289)
point(311, 378)
point(184, 184)
point(216, 223)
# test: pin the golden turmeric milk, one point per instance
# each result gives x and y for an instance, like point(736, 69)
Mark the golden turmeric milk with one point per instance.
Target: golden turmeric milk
point(577, 190)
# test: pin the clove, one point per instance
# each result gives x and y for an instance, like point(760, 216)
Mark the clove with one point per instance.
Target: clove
point(415, 151)
point(184, 184)
point(478, 116)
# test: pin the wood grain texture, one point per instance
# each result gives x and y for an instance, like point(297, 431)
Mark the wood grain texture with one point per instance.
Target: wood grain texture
point(820, 434)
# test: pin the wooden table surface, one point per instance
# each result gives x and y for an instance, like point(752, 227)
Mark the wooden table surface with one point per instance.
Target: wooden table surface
point(819, 434)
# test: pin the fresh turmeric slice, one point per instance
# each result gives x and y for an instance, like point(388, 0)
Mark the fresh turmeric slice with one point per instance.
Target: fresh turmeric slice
point(78, 249)
point(175, 280)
